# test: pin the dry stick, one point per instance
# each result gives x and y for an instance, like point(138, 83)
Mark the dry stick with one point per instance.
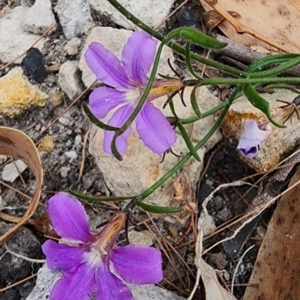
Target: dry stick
point(61, 114)
point(165, 251)
point(171, 14)
point(15, 165)
point(241, 28)
point(83, 154)
point(44, 34)
point(17, 283)
point(238, 265)
point(253, 214)
point(17, 191)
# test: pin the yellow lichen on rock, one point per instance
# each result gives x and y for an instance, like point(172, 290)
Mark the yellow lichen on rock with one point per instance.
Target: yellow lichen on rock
point(17, 94)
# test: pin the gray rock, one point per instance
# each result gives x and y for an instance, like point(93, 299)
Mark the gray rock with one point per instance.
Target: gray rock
point(14, 39)
point(74, 16)
point(150, 12)
point(72, 46)
point(46, 279)
point(69, 79)
point(39, 17)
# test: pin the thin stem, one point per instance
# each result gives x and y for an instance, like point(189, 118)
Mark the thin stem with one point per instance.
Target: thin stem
point(173, 45)
point(158, 183)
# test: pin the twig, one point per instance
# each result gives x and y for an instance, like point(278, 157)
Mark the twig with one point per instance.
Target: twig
point(12, 188)
point(237, 267)
point(44, 34)
point(83, 154)
point(65, 110)
point(17, 283)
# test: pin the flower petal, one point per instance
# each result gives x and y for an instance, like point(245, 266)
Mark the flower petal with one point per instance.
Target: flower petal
point(69, 218)
point(103, 99)
point(138, 55)
point(109, 286)
point(62, 257)
point(77, 284)
point(251, 138)
point(154, 129)
point(117, 120)
point(106, 66)
point(137, 264)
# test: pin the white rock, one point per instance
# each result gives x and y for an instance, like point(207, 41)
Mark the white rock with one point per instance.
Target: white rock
point(144, 238)
point(141, 167)
point(71, 154)
point(150, 12)
point(39, 17)
point(14, 40)
point(103, 35)
point(72, 46)
point(69, 79)
point(12, 171)
point(46, 280)
point(64, 171)
point(74, 17)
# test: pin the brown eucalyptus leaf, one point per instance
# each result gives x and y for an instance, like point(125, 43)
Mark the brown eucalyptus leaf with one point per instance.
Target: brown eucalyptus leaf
point(19, 146)
point(277, 267)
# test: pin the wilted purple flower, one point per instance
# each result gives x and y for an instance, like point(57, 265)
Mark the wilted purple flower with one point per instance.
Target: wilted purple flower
point(90, 263)
point(251, 138)
point(126, 80)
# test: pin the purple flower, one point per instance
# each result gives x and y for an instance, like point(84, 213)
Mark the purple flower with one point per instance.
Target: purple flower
point(251, 138)
point(90, 263)
point(126, 80)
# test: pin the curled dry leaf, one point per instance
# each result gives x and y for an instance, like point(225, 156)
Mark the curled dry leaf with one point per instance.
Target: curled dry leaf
point(18, 145)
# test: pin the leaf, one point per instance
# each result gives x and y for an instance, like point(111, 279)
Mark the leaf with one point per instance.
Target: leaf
point(18, 145)
point(158, 209)
point(257, 101)
point(213, 288)
point(276, 20)
point(98, 199)
point(96, 121)
point(276, 270)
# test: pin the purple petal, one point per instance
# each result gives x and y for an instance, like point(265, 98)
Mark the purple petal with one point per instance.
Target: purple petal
point(103, 99)
point(251, 138)
point(138, 55)
point(154, 129)
point(117, 120)
point(69, 218)
point(110, 287)
point(137, 264)
point(78, 284)
point(106, 66)
point(61, 257)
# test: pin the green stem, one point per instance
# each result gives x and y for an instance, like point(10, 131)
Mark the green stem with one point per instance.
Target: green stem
point(175, 46)
point(180, 164)
point(235, 81)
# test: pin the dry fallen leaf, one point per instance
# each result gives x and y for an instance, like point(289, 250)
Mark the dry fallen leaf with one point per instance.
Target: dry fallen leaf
point(276, 20)
point(277, 267)
point(213, 288)
point(18, 145)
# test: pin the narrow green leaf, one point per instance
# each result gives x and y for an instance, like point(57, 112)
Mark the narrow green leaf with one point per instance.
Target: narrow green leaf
point(188, 141)
point(260, 64)
point(188, 61)
point(194, 102)
point(196, 37)
point(284, 87)
point(98, 199)
point(114, 149)
point(158, 209)
point(96, 121)
point(257, 101)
